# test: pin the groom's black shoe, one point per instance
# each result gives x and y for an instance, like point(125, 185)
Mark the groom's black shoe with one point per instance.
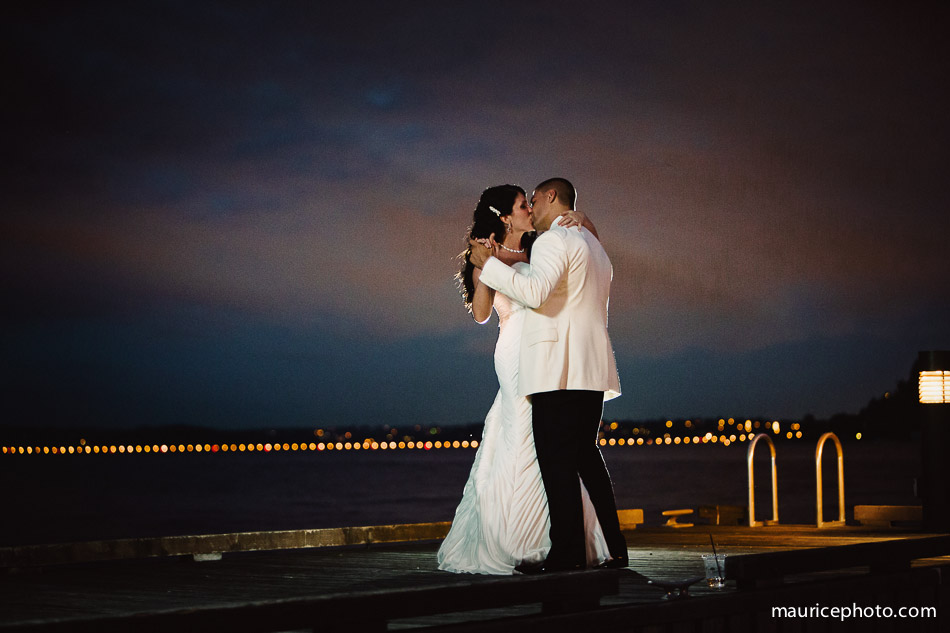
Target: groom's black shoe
point(530, 569)
point(544, 567)
point(615, 563)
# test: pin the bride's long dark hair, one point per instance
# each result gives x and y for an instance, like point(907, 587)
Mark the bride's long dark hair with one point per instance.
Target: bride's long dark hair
point(485, 222)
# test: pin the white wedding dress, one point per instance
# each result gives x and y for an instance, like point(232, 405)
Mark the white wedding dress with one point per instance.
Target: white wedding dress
point(502, 519)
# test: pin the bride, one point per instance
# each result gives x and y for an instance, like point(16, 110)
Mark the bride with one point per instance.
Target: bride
point(502, 520)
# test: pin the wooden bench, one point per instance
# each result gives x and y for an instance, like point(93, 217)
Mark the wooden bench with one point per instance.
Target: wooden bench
point(770, 568)
point(630, 519)
point(673, 515)
point(370, 610)
point(887, 516)
point(724, 514)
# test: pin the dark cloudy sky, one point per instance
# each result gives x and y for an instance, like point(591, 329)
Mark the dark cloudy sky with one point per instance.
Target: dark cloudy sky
point(246, 214)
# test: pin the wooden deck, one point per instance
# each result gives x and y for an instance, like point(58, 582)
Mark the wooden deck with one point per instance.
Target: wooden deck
point(396, 587)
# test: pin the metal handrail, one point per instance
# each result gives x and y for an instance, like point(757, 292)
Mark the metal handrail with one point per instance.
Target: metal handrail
point(749, 455)
point(819, 495)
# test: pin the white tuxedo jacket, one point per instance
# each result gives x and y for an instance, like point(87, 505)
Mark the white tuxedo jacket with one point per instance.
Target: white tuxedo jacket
point(564, 344)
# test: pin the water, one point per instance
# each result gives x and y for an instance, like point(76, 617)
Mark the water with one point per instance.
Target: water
point(62, 498)
point(666, 478)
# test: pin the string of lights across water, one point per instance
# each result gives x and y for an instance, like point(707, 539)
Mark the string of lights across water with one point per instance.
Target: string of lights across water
point(614, 434)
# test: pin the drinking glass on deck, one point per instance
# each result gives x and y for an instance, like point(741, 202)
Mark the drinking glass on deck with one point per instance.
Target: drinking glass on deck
point(715, 574)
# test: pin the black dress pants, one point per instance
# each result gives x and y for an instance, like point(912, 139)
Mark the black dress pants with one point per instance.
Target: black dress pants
point(566, 424)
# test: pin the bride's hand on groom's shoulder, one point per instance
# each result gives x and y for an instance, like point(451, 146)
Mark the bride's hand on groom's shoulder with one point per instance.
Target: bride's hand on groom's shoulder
point(572, 218)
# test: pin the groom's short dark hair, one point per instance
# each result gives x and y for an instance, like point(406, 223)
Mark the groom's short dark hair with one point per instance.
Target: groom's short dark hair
point(563, 187)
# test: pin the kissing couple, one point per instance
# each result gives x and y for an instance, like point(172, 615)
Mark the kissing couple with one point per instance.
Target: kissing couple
point(539, 497)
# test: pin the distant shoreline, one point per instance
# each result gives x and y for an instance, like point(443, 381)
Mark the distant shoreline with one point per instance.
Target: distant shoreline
point(843, 425)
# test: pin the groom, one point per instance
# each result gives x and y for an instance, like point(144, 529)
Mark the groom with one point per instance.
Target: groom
point(567, 369)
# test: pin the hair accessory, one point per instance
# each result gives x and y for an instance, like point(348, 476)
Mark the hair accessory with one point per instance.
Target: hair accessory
point(495, 211)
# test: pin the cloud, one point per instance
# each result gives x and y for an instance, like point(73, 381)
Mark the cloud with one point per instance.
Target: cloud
point(763, 177)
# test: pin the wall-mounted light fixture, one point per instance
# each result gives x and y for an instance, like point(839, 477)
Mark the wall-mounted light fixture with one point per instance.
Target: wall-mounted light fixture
point(933, 380)
point(933, 386)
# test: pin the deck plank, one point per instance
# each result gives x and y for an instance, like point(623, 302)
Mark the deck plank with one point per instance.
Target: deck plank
point(124, 587)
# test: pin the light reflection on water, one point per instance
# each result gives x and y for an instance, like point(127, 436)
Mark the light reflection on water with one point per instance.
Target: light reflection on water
point(73, 498)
